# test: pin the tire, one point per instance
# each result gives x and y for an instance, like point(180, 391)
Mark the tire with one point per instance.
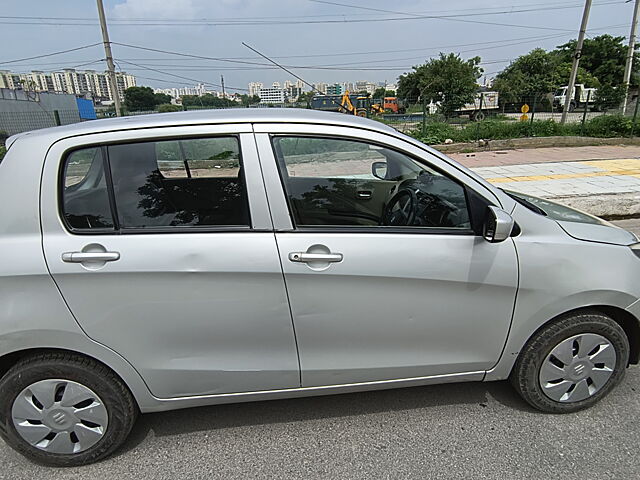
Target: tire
point(478, 116)
point(533, 375)
point(80, 376)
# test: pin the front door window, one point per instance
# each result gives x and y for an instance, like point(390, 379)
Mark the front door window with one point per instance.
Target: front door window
point(348, 183)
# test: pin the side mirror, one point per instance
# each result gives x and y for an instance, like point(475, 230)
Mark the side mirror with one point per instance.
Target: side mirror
point(379, 170)
point(498, 225)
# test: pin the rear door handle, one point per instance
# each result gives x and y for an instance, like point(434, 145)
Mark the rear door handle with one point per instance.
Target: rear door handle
point(81, 257)
point(305, 257)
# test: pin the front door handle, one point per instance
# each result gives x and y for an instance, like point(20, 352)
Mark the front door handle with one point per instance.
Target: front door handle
point(81, 257)
point(305, 257)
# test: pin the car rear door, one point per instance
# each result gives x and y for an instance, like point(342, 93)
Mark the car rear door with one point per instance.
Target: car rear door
point(161, 243)
point(377, 300)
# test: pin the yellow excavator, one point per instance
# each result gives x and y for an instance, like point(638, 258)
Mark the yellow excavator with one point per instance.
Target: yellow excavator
point(353, 104)
point(361, 108)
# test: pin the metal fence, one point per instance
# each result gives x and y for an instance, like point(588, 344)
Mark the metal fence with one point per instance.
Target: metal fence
point(17, 122)
point(533, 115)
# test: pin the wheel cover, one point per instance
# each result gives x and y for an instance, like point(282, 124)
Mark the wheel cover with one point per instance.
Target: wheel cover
point(577, 368)
point(59, 416)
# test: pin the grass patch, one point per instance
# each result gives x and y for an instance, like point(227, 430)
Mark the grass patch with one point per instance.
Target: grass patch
point(605, 126)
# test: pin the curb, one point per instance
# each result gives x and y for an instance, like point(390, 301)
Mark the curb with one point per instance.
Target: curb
point(609, 205)
point(533, 142)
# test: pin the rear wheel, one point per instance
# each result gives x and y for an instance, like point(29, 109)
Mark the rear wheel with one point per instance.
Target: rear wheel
point(572, 363)
point(477, 116)
point(64, 410)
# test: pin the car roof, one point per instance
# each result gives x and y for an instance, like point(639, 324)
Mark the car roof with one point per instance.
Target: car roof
point(200, 117)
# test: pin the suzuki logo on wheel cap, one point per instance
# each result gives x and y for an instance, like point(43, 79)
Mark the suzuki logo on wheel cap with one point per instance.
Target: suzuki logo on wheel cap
point(58, 417)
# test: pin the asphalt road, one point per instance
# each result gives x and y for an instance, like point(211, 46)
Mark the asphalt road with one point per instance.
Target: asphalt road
point(474, 430)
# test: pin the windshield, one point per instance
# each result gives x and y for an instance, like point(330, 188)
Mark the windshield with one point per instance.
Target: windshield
point(560, 92)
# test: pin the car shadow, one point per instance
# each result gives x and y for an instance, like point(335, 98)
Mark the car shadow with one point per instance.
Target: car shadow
point(220, 417)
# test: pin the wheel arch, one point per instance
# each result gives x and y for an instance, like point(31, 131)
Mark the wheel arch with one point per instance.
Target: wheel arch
point(629, 323)
point(622, 317)
point(8, 360)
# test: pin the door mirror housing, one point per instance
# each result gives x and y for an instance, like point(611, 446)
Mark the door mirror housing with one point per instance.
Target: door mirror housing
point(379, 170)
point(498, 225)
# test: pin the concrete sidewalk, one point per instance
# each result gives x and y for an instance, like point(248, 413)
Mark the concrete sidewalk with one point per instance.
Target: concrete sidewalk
point(604, 180)
point(495, 158)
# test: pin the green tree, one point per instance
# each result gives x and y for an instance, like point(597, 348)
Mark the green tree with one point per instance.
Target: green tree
point(161, 98)
point(449, 80)
point(609, 97)
point(247, 100)
point(305, 97)
point(603, 57)
point(169, 107)
point(535, 74)
point(139, 98)
point(382, 92)
point(207, 100)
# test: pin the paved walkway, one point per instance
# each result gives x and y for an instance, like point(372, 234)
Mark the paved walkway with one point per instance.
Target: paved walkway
point(545, 155)
point(559, 179)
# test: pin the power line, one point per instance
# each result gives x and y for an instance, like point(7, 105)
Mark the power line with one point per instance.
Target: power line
point(244, 18)
point(452, 17)
point(51, 54)
point(408, 16)
point(335, 54)
point(182, 77)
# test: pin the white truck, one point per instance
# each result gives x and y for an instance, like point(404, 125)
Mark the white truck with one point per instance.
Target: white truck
point(582, 96)
point(483, 103)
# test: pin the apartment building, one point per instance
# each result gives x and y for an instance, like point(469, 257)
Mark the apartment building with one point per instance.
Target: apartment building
point(69, 80)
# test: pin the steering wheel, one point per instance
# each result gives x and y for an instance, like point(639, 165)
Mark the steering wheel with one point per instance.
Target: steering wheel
point(401, 209)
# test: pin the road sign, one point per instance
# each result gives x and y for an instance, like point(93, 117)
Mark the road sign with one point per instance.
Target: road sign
point(525, 108)
point(524, 117)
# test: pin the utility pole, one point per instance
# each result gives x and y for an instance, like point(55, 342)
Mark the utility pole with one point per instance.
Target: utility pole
point(110, 67)
point(222, 81)
point(628, 65)
point(576, 60)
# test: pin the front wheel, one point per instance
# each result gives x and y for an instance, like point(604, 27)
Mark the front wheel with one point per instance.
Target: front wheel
point(572, 363)
point(64, 410)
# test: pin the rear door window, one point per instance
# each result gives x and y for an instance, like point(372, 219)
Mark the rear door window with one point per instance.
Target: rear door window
point(164, 184)
point(182, 182)
point(85, 197)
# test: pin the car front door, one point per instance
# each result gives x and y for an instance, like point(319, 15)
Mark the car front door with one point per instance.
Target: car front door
point(387, 275)
point(161, 244)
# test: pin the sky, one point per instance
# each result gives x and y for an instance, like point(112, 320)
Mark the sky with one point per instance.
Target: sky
point(319, 40)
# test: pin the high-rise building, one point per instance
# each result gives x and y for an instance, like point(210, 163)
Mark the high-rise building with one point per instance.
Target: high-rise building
point(272, 95)
point(335, 89)
point(364, 86)
point(89, 82)
point(320, 87)
point(254, 88)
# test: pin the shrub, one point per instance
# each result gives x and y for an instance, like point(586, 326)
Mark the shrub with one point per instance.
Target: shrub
point(437, 132)
point(608, 126)
point(168, 107)
point(3, 150)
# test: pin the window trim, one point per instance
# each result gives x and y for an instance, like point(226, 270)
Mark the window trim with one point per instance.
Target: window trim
point(473, 231)
point(118, 229)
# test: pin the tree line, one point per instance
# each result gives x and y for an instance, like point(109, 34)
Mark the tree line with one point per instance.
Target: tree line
point(452, 81)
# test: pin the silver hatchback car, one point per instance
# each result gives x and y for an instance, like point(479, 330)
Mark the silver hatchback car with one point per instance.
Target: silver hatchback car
point(177, 260)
